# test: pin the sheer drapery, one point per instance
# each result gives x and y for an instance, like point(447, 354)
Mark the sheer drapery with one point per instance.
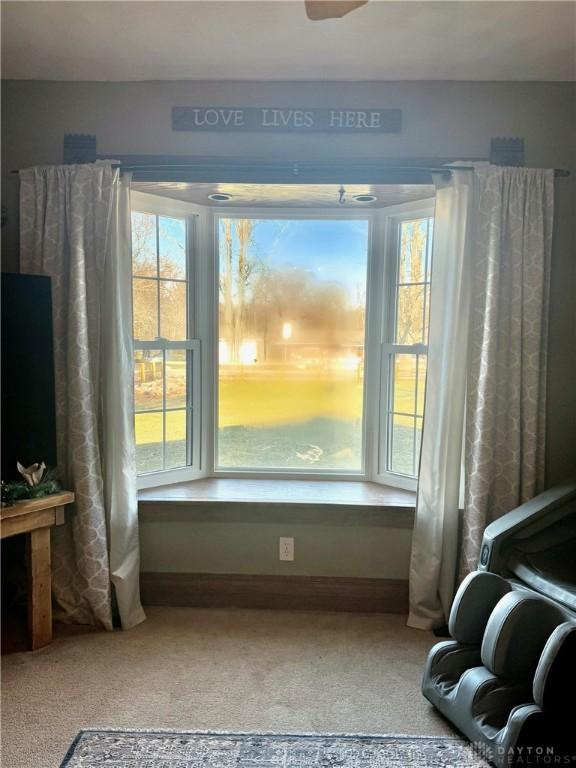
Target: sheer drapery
point(488, 341)
point(434, 543)
point(75, 228)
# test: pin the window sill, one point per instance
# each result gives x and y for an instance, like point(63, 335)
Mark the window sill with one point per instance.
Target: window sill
point(249, 500)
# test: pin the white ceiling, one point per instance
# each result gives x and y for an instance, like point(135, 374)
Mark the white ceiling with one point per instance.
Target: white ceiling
point(288, 195)
point(269, 40)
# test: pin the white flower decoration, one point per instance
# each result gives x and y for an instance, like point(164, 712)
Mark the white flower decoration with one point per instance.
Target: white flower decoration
point(32, 474)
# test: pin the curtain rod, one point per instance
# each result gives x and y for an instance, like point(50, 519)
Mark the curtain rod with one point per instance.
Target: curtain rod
point(447, 170)
point(560, 172)
point(294, 168)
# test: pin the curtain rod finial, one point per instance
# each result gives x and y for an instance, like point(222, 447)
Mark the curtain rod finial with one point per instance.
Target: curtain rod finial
point(507, 151)
point(79, 148)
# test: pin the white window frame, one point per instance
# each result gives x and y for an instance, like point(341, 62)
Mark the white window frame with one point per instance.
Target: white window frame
point(290, 214)
point(163, 206)
point(203, 301)
point(392, 218)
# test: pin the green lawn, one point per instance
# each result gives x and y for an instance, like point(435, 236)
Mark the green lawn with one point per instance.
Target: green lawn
point(270, 420)
point(266, 401)
point(259, 402)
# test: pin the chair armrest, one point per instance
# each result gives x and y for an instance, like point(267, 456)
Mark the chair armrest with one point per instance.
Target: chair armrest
point(555, 674)
point(543, 510)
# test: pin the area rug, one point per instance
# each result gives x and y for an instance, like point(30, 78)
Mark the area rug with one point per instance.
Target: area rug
point(184, 749)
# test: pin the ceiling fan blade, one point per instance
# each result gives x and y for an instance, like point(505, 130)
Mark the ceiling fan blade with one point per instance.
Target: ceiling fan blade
point(318, 10)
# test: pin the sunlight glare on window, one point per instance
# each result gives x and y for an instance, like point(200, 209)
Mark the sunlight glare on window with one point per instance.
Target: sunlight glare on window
point(291, 344)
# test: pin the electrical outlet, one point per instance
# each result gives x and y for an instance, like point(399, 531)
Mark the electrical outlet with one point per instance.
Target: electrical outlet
point(286, 548)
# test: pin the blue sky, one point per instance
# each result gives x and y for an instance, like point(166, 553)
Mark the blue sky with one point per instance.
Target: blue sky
point(172, 240)
point(334, 250)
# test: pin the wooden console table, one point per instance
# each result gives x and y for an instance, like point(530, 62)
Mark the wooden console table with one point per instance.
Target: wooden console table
point(35, 517)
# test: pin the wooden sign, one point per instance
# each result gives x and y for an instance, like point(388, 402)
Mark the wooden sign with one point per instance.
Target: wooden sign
point(286, 119)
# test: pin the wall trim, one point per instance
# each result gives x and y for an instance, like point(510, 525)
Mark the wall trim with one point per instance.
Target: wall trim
point(265, 514)
point(305, 593)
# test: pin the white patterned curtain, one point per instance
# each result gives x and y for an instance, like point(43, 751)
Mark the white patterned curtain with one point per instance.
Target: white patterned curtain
point(75, 228)
point(505, 416)
point(486, 372)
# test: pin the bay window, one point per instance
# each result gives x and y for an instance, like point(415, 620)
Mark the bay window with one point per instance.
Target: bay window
point(279, 342)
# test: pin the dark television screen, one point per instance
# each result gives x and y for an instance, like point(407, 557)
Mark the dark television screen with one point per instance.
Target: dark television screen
point(28, 417)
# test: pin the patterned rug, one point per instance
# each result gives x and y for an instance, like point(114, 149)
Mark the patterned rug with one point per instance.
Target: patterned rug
point(183, 749)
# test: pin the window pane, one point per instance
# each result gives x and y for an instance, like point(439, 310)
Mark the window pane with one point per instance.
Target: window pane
point(404, 384)
point(149, 440)
point(291, 343)
point(426, 312)
point(148, 380)
point(421, 380)
point(172, 247)
point(172, 310)
point(176, 422)
point(413, 282)
point(429, 242)
point(176, 377)
point(145, 307)
point(401, 457)
point(410, 314)
point(406, 402)
point(412, 255)
point(144, 261)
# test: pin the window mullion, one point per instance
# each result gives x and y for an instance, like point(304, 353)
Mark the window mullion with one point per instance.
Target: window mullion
point(190, 356)
point(405, 349)
point(164, 344)
point(190, 415)
point(164, 409)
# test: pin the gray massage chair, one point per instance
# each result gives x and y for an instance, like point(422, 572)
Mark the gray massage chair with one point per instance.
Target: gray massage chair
point(507, 678)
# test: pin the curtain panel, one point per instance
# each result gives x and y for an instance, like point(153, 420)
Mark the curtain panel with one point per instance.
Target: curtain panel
point(506, 406)
point(435, 539)
point(483, 440)
point(75, 228)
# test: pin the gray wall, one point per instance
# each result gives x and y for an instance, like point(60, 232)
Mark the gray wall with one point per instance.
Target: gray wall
point(441, 119)
point(233, 544)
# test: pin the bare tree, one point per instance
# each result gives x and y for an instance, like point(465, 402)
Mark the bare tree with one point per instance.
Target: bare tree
point(144, 266)
point(319, 310)
point(411, 294)
point(238, 267)
point(149, 292)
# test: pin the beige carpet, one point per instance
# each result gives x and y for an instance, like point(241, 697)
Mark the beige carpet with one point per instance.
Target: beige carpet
point(223, 670)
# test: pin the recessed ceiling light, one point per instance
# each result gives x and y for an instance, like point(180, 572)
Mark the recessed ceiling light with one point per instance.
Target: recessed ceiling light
point(219, 197)
point(365, 198)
